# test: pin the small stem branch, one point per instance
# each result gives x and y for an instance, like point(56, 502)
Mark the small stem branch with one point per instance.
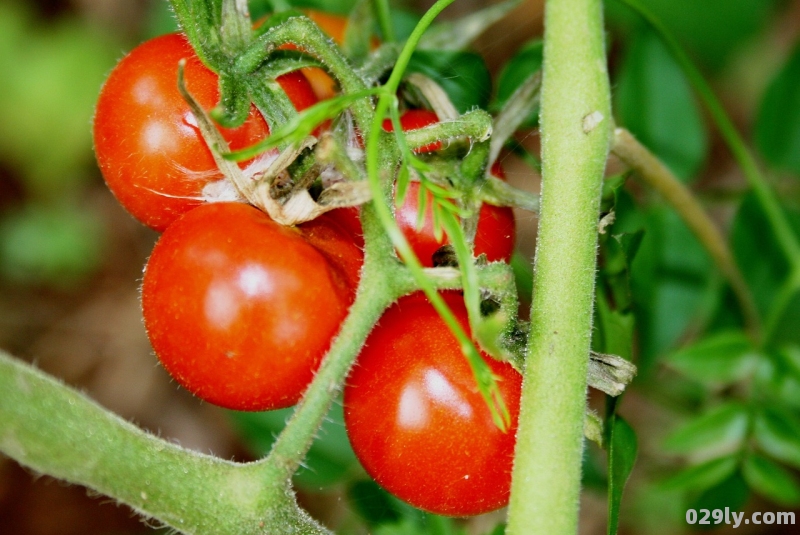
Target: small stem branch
point(374, 295)
point(576, 134)
point(316, 44)
point(655, 174)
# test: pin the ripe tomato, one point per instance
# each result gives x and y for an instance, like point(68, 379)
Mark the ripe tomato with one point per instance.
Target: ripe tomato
point(240, 310)
point(416, 420)
point(412, 120)
point(148, 145)
point(495, 235)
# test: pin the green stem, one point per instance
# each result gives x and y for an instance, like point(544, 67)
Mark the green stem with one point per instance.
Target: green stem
point(315, 43)
point(385, 20)
point(656, 175)
point(766, 197)
point(53, 429)
point(576, 133)
point(374, 295)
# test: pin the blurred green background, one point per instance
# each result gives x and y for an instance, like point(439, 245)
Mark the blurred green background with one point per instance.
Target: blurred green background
point(71, 261)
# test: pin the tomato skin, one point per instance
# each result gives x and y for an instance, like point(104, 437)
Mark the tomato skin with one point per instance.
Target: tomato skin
point(240, 310)
point(495, 236)
point(416, 420)
point(148, 147)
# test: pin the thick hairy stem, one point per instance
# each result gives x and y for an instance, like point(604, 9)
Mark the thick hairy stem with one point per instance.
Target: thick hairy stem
point(53, 429)
point(656, 175)
point(576, 133)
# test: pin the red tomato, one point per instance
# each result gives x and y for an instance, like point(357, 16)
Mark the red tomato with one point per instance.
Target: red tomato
point(412, 120)
point(148, 146)
point(415, 417)
point(495, 236)
point(240, 310)
point(349, 218)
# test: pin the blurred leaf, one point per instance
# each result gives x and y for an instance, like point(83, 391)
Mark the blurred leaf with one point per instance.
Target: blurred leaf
point(328, 461)
point(764, 265)
point(654, 101)
point(777, 131)
point(790, 356)
point(593, 471)
point(372, 503)
point(160, 20)
point(771, 480)
point(463, 76)
point(459, 33)
point(623, 447)
point(731, 492)
point(673, 283)
point(613, 331)
point(499, 529)
point(514, 73)
point(259, 8)
point(722, 429)
point(721, 358)
point(713, 30)
point(777, 379)
point(777, 432)
point(55, 245)
point(49, 99)
point(702, 476)
point(523, 275)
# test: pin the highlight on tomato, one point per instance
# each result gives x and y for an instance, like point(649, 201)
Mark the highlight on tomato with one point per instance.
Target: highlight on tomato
point(416, 419)
point(240, 310)
point(147, 142)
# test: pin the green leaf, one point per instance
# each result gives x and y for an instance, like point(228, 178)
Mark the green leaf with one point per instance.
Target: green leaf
point(613, 333)
point(463, 76)
point(731, 492)
point(771, 480)
point(330, 458)
point(713, 30)
point(514, 73)
point(777, 131)
point(52, 75)
point(702, 476)
point(722, 429)
point(764, 266)
point(777, 432)
point(721, 358)
point(777, 379)
point(372, 503)
point(654, 101)
point(623, 447)
point(56, 245)
point(673, 284)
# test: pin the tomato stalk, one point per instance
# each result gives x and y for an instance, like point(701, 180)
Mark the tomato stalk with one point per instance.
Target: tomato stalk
point(316, 44)
point(576, 133)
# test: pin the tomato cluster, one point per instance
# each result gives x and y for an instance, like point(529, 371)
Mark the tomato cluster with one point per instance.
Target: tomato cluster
point(148, 145)
point(240, 310)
